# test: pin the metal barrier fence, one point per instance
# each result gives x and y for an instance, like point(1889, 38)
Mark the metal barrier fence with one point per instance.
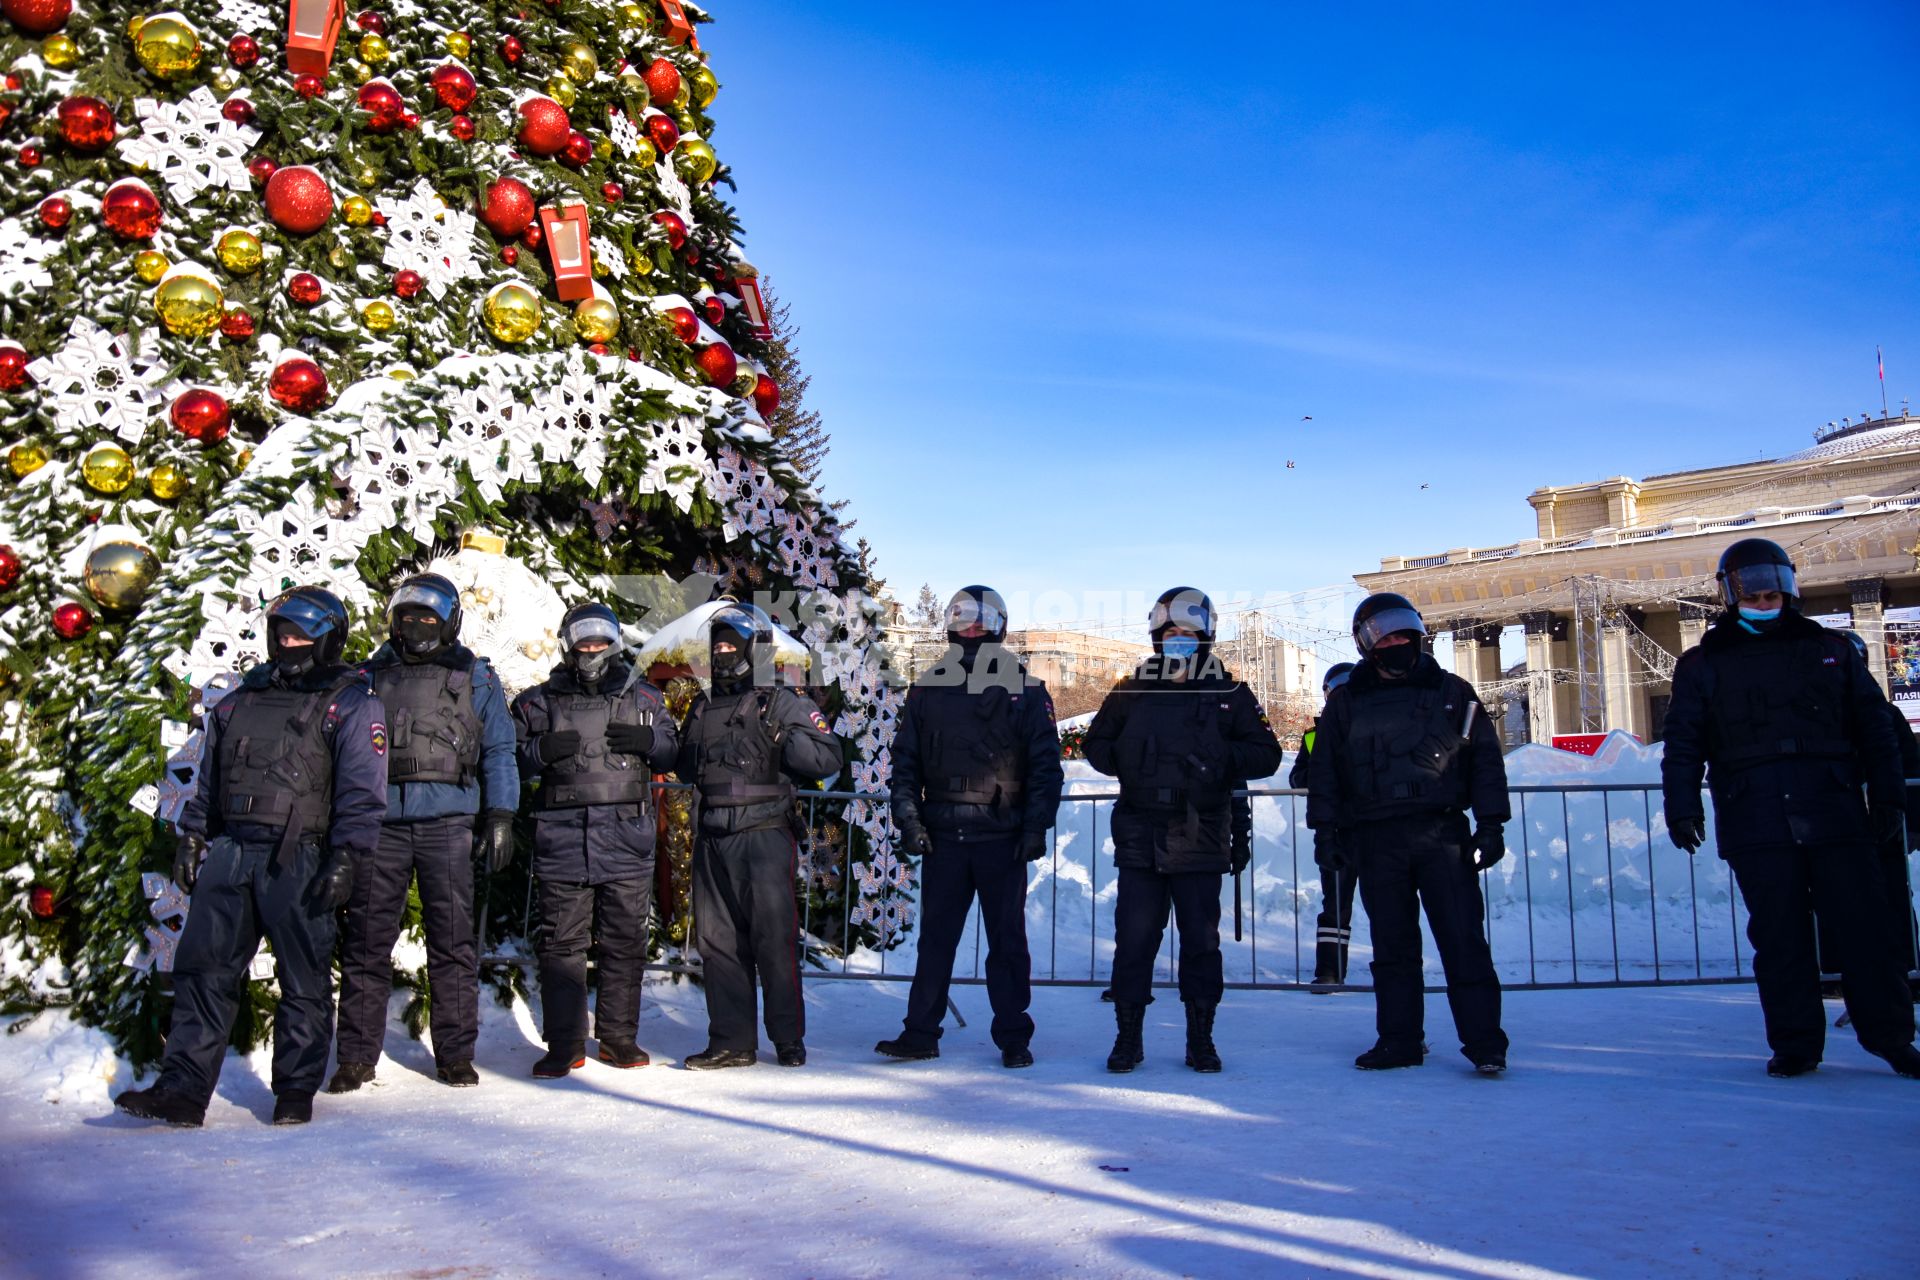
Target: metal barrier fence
point(1593, 892)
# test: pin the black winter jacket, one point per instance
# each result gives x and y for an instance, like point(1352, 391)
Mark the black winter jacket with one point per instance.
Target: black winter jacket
point(790, 726)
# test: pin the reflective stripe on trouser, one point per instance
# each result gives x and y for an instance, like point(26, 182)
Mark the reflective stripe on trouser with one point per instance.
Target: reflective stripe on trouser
point(241, 897)
point(1335, 925)
point(1140, 921)
point(747, 925)
point(614, 916)
point(950, 878)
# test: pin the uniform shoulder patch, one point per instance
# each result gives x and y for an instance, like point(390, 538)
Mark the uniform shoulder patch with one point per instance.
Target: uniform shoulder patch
point(819, 721)
point(377, 732)
point(1046, 701)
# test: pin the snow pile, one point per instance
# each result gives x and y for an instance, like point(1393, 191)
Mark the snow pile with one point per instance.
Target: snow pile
point(50, 1058)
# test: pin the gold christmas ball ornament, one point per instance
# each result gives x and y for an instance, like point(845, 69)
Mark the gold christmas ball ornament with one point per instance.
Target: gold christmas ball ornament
point(562, 90)
point(704, 87)
point(149, 265)
point(167, 481)
point(360, 71)
point(577, 61)
point(374, 50)
point(134, 24)
point(25, 458)
point(239, 252)
point(338, 258)
point(59, 51)
point(366, 175)
point(600, 269)
point(357, 210)
point(682, 96)
point(189, 304)
point(226, 80)
point(512, 312)
point(459, 44)
point(379, 316)
point(168, 46)
point(642, 265)
point(596, 320)
point(107, 468)
point(745, 380)
point(603, 149)
point(684, 118)
point(645, 154)
point(695, 160)
point(633, 15)
point(118, 574)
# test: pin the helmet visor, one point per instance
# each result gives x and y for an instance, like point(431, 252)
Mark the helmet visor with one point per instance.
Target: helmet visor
point(1751, 580)
point(1385, 623)
point(1335, 681)
point(423, 595)
point(967, 611)
point(308, 617)
point(1189, 611)
point(589, 627)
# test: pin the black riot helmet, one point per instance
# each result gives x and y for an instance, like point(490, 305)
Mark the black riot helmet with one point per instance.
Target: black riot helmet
point(583, 624)
point(1753, 565)
point(1382, 614)
point(315, 614)
point(976, 604)
point(737, 636)
point(1336, 676)
point(1187, 608)
point(409, 628)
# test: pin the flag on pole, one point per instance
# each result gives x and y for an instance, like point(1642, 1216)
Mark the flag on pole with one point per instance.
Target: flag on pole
point(1882, 362)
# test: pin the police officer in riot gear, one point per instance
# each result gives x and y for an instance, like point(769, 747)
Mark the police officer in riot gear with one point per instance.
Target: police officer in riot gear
point(1182, 735)
point(1787, 724)
point(1335, 922)
point(594, 734)
point(740, 744)
point(1404, 749)
point(452, 788)
point(976, 783)
point(291, 791)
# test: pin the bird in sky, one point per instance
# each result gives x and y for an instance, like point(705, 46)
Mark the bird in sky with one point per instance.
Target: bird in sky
point(1306, 417)
point(1289, 464)
point(1426, 486)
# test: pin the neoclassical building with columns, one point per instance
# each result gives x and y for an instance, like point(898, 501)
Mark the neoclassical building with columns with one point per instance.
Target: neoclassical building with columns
point(1617, 579)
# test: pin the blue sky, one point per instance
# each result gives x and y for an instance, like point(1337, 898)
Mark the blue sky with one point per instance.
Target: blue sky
point(1068, 276)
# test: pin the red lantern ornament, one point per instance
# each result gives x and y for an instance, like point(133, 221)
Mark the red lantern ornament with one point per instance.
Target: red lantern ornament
point(565, 231)
point(40, 902)
point(309, 86)
point(579, 150)
point(406, 284)
point(766, 397)
point(511, 49)
point(754, 305)
point(715, 310)
point(202, 416)
point(298, 384)
point(238, 110)
point(263, 167)
point(612, 192)
point(676, 228)
point(13, 367)
point(243, 51)
point(543, 126)
point(304, 289)
point(313, 28)
point(678, 29)
point(663, 82)
point(506, 206)
point(37, 17)
point(71, 621)
point(369, 20)
point(462, 127)
point(56, 212)
point(664, 133)
point(298, 199)
point(510, 254)
point(30, 157)
point(236, 326)
point(9, 568)
point(130, 210)
point(454, 86)
point(718, 362)
point(386, 109)
point(86, 124)
point(685, 324)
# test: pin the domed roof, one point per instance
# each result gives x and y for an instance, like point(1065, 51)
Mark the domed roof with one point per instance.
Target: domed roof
point(1881, 433)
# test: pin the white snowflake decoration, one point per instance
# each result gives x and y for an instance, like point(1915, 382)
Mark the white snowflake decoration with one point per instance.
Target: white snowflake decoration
point(424, 235)
point(95, 381)
point(605, 255)
point(189, 145)
point(23, 256)
point(624, 132)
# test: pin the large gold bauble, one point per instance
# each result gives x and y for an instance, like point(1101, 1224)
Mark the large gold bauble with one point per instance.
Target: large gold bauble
point(459, 44)
point(239, 251)
point(374, 49)
point(645, 154)
point(379, 316)
point(684, 118)
point(150, 265)
point(704, 87)
point(694, 160)
point(25, 458)
point(745, 379)
point(107, 468)
point(578, 61)
point(167, 481)
point(119, 573)
point(357, 210)
point(190, 306)
point(682, 96)
point(168, 47)
point(512, 312)
point(634, 15)
point(562, 90)
point(59, 51)
point(596, 320)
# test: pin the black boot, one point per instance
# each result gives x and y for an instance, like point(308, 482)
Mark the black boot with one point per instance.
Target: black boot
point(623, 1053)
point(460, 1075)
point(791, 1054)
point(1385, 1057)
point(1785, 1066)
point(1128, 1052)
point(1905, 1061)
point(908, 1050)
point(1201, 1055)
point(293, 1108)
point(718, 1059)
point(1013, 1057)
point(163, 1104)
point(349, 1076)
point(560, 1059)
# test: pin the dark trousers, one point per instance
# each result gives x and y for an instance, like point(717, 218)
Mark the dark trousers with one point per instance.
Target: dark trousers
point(440, 852)
point(747, 925)
point(1407, 864)
point(571, 916)
point(1893, 865)
point(950, 878)
point(241, 897)
point(1334, 925)
point(1842, 885)
point(1140, 921)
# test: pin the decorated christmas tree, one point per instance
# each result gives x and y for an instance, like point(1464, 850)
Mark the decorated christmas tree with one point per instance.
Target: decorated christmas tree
point(300, 295)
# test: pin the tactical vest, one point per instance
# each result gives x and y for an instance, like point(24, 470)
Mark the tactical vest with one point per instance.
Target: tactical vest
point(1165, 727)
point(276, 769)
point(739, 763)
point(1776, 700)
point(596, 774)
point(1404, 743)
point(433, 730)
point(970, 750)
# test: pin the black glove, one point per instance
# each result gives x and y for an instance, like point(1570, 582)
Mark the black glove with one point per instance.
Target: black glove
point(1890, 823)
point(1688, 833)
point(332, 889)
point(1034, 845)
point(1488, 846)
point(917, 841)
point(1331, 852)
point(1242, 851)
point(557, 746)
point(630, 739)
point(493, 849)
point(187, 852)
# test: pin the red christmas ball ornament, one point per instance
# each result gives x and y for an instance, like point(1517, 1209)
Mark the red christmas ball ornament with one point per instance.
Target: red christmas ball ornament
point(56, 212)
point(407, 283)
point(600, 348)
point(692, 254)
point(71, 621)
point(506, 206)
point(368, 20)
point(544, 128)
point(411, 119)
point(298, 199)
point(236, 326)
point(379, 218)
point(612, 192)
point(202, 416)
point(718, 362)
point(243, 51)
point(309, 85)
point(663, 82)
point(130, 210)
point(37, 17)
point(304, 289)
point(510, 254)
point(715, 309)
point(13, 367)
point(238, 110)
point(664, 133)
point(579, 149)
point(263, 167)
point(9, 568)
point(676, 228)
point(463, 129)
point(86, 123)
point(298, 384)
point(533, 237)
point(685, 324)
point(766, 396)
point(30, 157)
point(511, 49)
point(454, 86)
point(41, 902)
point(385, 108)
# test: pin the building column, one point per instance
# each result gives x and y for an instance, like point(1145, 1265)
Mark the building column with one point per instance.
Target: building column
point(1542, 723)
point(1693, 627)
point(1870, 620)
point(1476, 653)
point(1620, 701)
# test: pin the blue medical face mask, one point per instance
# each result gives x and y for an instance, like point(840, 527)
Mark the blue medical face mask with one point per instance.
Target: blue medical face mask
point(1180, 646)
point(1759, 615)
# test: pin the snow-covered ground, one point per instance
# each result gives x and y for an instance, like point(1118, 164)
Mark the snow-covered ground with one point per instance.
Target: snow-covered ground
point(1636, 1135)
